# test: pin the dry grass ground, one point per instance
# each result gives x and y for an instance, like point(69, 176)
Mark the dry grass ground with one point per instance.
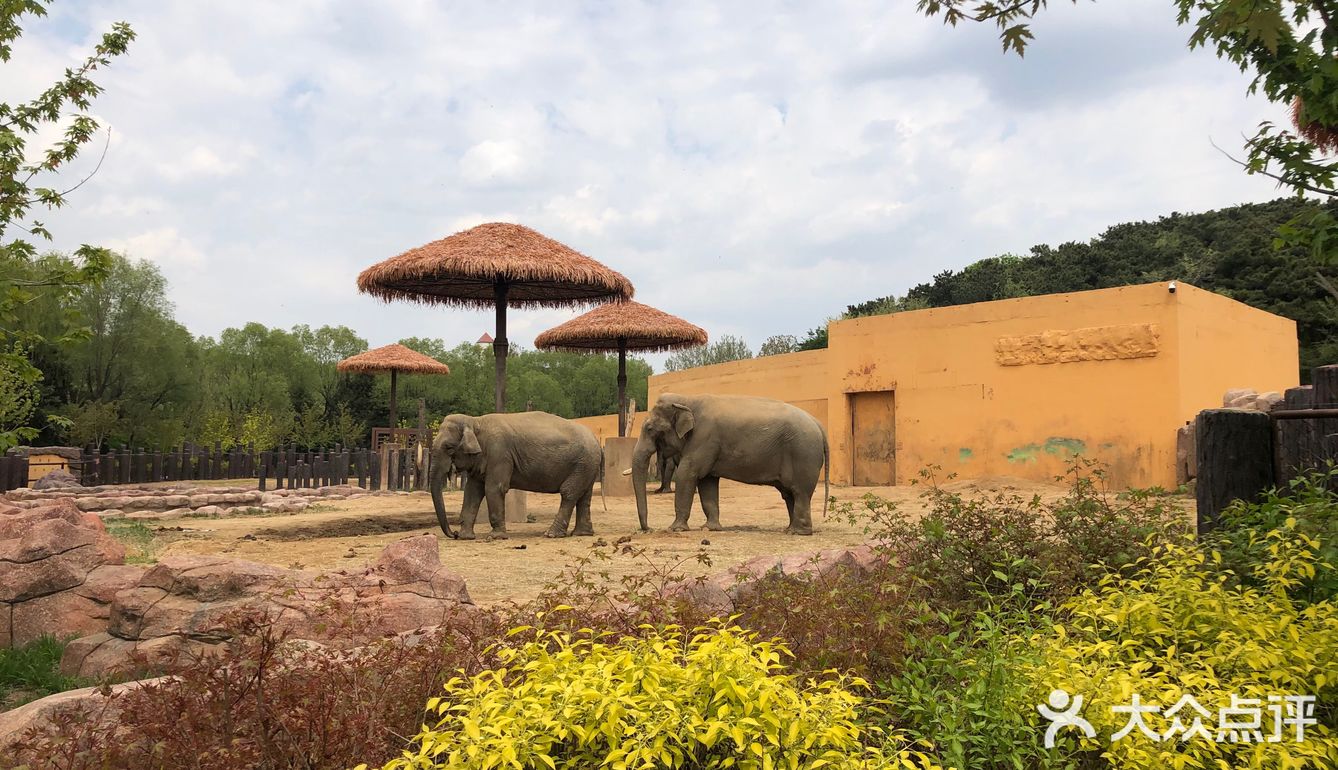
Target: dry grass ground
point(351, 534)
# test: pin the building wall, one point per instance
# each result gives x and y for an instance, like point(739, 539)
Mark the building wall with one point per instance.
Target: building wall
point(606, 425)
point(1225, 344)
point(799, 378)
point(1019, 387)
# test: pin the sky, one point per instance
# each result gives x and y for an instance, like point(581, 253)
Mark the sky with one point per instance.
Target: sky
point(752, 167)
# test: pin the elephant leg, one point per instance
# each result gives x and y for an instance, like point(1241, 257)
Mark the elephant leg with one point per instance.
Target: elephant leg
point(666, 469)
point(789, 506)
point(685, 489)
point(559, 526)
point(801, 520)
point(583, 525)
point(709, 491)
point(469, 510)
point(496, 490)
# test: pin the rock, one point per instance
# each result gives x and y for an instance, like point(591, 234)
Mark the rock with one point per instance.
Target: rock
point(39, 713)
point(1267, 402)
point(62, 569)
point(1237, 394)
point(208, 510)
point(189, 604)
point(1186, 454)
point(57, 479)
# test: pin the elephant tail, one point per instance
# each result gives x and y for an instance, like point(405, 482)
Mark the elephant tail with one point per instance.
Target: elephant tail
point(602, 499)
point(826, 475)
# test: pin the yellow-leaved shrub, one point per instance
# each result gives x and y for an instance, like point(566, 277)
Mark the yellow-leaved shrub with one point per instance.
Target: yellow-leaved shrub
point(1184, 627)
point(716, 697)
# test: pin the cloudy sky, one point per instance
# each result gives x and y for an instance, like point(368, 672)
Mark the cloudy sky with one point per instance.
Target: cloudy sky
point(753, 167)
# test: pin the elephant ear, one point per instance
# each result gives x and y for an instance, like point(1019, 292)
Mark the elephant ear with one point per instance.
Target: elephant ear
point(683, 420)
point(469, 443)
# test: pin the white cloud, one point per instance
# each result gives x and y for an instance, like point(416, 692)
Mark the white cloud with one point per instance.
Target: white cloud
point(753, 168)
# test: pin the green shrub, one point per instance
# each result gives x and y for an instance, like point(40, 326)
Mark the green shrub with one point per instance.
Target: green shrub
point(1182, 627)
point(964, 685)
point(714, 698)
point(1306, 508)
point(969, 547)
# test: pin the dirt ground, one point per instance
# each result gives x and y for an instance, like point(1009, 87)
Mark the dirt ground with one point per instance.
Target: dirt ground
point(350, 534)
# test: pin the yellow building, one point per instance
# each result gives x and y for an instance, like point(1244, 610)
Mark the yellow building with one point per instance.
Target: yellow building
point(1018, 387)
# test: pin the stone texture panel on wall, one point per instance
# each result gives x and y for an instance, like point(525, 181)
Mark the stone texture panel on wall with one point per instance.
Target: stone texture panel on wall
point(1062, 346)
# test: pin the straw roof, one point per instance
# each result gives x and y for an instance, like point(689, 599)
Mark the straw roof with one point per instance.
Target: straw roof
point(642, 327)
point(392, 357)
point(463, 268)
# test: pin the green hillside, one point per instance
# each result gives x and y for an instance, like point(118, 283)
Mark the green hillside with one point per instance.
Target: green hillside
point(1229, 251)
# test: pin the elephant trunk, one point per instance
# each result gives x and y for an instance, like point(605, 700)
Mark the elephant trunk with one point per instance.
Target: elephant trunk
point(441, 467)
point(640, 464)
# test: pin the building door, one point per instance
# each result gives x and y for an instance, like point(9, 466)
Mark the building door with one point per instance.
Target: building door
point(874, 438)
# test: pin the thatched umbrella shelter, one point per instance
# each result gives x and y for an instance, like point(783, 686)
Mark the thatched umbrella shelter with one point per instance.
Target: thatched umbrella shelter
point(394, 359)
point(494, 265)
point(623, 326)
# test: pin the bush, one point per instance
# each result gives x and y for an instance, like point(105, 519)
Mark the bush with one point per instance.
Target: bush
point(964, 685)
point(1180, 627)
point(966, 548)
point(712, 699)
point(1249, 533)
point(266, 702)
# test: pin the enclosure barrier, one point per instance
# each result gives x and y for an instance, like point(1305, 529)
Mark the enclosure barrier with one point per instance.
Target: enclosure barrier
point(1241, 454)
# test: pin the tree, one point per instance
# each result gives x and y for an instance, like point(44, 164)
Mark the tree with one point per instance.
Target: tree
point(727, 348)
point(1290, 46)
point(777, 344)
point(23, 276)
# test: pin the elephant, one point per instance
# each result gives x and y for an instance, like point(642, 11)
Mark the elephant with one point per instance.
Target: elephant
point(533, 451)
point(666, 464)
point(742, 438)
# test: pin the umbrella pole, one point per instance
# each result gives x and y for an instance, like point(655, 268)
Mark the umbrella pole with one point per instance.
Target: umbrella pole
point(394, 416)
point(499, 348)
point(622, 387)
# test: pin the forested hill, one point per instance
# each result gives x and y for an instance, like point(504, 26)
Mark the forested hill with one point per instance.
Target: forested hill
point(1229, 251)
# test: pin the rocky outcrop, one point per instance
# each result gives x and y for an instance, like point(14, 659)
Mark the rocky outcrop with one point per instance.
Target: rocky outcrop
point(57, 479)
point(59, 570)
point(154, 502)
point(98, 702)
point(1252, 400)
point(188, 605)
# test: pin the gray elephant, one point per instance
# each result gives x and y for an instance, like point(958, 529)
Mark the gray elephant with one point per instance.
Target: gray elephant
point(666, 465)
point(742, 438)
point(533, 451)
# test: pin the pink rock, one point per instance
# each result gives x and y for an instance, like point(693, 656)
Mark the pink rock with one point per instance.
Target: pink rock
point(411, 559)
point(61, 614)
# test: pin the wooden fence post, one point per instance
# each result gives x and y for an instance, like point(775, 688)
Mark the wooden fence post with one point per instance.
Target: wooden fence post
point(1235, 453)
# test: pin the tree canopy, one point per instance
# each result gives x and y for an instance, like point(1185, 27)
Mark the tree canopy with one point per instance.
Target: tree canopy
point(1228, 251)
point(25, 173)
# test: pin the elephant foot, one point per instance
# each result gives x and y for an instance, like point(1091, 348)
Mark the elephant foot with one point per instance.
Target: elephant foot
point(714, 526)
point(798, 530)
point(552, 532)
point(661, 490)
point(465, 535)
point(586, 532)
point(678, 527)
point(497, 534)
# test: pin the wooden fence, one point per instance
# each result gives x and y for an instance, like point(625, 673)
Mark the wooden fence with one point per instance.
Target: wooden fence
point(284, 467)
point(1240, 454)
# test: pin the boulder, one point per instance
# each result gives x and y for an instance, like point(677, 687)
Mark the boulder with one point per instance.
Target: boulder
point(62, 570)
point(57, 479)
point(187, 605)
